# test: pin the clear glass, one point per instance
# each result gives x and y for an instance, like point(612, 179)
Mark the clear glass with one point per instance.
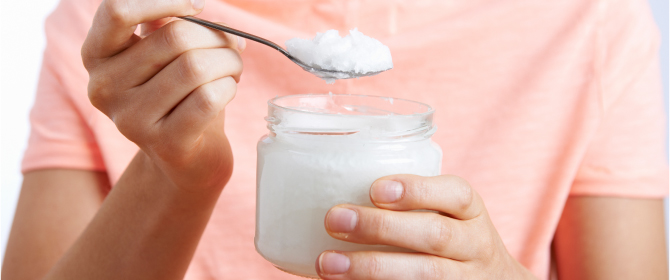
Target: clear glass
point(324, 150)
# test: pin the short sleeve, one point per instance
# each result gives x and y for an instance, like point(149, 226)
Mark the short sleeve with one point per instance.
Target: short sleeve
point(60, 136)
point(627, 154)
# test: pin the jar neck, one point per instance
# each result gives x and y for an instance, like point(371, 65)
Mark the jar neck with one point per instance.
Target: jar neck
point(369, 118)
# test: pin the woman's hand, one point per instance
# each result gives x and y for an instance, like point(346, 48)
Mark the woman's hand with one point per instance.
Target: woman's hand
point(165, 90)
point(458, 242)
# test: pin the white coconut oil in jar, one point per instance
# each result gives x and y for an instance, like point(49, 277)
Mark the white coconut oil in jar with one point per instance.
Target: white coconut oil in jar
point(327, 149)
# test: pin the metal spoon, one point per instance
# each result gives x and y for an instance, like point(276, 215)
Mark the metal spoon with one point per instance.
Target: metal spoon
point(320, 72)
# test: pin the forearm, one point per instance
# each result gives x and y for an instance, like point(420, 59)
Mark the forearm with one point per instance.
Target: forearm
point(147, 228)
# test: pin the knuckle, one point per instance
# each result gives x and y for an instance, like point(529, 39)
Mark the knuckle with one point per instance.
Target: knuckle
point(234, 60)
point(96, 96)
point(99, 91)
point(175, 36)
point(374, 267)
point(86, 56)
point(191, 67)
point(231, 90)
point(206, 100)
point(464, 195)
point(117, 11)
point(440, 235)
point(486, 249)
point(239, 66)
point(422, 190)
point(432, 269)
point(214, 96)
point(382, 227)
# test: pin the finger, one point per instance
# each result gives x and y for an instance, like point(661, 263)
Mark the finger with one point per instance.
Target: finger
point(153, 100)
point(196, 113)
point(337, 265)
point(420, 231)
point(186, 73)
point(448, 194)
point(149, 27)
point(143, 60)
point(115, 22)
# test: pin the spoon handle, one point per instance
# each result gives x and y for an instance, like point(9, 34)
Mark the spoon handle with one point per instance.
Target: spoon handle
point(236, 32)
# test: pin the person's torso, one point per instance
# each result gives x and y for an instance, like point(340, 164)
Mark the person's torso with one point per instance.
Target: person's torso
point(510, 81)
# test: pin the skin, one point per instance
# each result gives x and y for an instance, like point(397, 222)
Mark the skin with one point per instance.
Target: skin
point(457, 242)
point(597, 238)
point(53, 209)
point(166, 91)
point(630, 246)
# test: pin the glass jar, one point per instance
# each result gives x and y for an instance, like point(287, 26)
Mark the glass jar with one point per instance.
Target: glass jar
point(327, 149)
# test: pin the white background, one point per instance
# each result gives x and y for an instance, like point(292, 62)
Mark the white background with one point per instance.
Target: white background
point(21, 44)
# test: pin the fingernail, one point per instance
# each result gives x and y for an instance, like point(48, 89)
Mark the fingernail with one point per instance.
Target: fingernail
point(386, 191)
point(333, 263)
point(241, 43)
point(198, 4)
point(342, 220)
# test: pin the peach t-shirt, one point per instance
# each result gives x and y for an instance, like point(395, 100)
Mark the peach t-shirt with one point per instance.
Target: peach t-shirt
point(536, 101)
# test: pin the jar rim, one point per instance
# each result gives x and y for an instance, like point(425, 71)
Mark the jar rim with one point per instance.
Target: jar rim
point(273, 103)
point(355, 116)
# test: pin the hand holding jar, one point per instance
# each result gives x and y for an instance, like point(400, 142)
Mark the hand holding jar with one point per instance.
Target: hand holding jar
point(457, 242)
point(323, 153)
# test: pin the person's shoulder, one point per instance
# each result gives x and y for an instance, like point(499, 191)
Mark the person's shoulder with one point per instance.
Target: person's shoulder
point(628, 43)
point(625, 15)
point(63, 75)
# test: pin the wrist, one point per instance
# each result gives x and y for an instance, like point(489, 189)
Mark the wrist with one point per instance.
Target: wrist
point(204, 171)
point(165, 183)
